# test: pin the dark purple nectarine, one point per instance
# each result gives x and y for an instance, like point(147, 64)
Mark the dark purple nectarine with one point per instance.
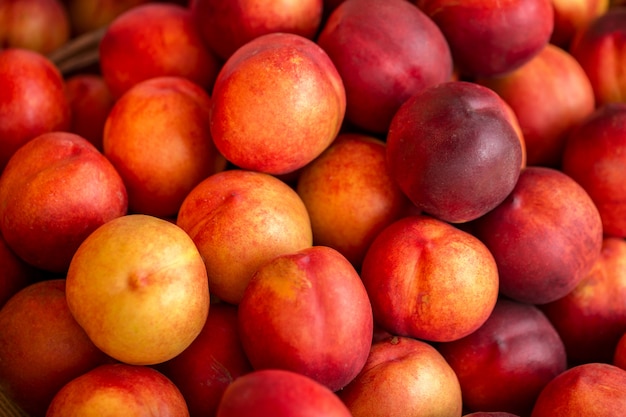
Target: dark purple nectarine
point(453, 150)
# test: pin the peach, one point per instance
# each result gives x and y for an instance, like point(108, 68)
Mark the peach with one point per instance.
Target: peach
point(592, 317)
point(240, 219)
point(385, 52)
point(504, 365)
point(42, 346)
point(291, 395)
point(492, 37)
point(350, 195)
point(453, 150)
point(157, 135)
point(88, 16)
point(226, 25)
point(591, 390)
point(490, 414)
point(55, 190)
point(545, 237)
point(90, 102)
point(215, 359)
point(428, 280)
point(138, 287)
point(151, 40)
point(307, 312)
point(550, 95)
point(595, 158)
point(404, 377)
point(601, 51)
point(119, 389)
point(37, 25)
point(571, 17)
point(278, 103)
point(32, 102)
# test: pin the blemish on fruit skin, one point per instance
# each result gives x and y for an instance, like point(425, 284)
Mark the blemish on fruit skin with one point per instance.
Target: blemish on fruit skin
point(422, 303)
point(138, 280)
point(516, 201)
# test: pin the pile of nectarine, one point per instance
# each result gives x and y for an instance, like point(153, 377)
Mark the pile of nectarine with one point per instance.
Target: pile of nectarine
point(313, 208)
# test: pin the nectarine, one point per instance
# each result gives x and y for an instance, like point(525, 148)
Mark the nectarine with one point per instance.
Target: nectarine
point(138, 287)
point(428, 280)
point(277, 103)
point(385, 52)
point(157, 135)
point(32, 102)
point(350, 195)
point(545, 236)
point(42, 346)
point(453, 150)
point(55, 190)
point(240, 219)
point(307, 312)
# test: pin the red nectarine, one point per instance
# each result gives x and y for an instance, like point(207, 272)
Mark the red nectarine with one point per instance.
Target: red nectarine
point(592, 317)
point(157, 135)
point(215, 358)
point(278, 103)
point(32, 102)
point(226, 25)
point(504, 365)
point(119, 390)
point(42, 346)
point(385, 52)
point(601, 50)
point(492, 37)
point(55, 190)
point(154, 39)
point(350, 195)
point(595, 157)
point(307, 312)
point(454, 151)
point(429, 280)
point(591, 390)
point(279, 393)
point(545, 236)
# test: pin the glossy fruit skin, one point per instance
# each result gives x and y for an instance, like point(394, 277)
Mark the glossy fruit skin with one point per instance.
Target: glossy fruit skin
point(504, 365)
point(545, 236)
point(33, 99)
point(429, 280)
point(601, 50)
point(453, 151)
point(403, 377)
point(594, 157)
point(491, 37)
point(119, 389)
point(56, 190)
point(292, 395)
point(385, 52)
point(316, 285)
point(593, 389)
point(277, 104)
